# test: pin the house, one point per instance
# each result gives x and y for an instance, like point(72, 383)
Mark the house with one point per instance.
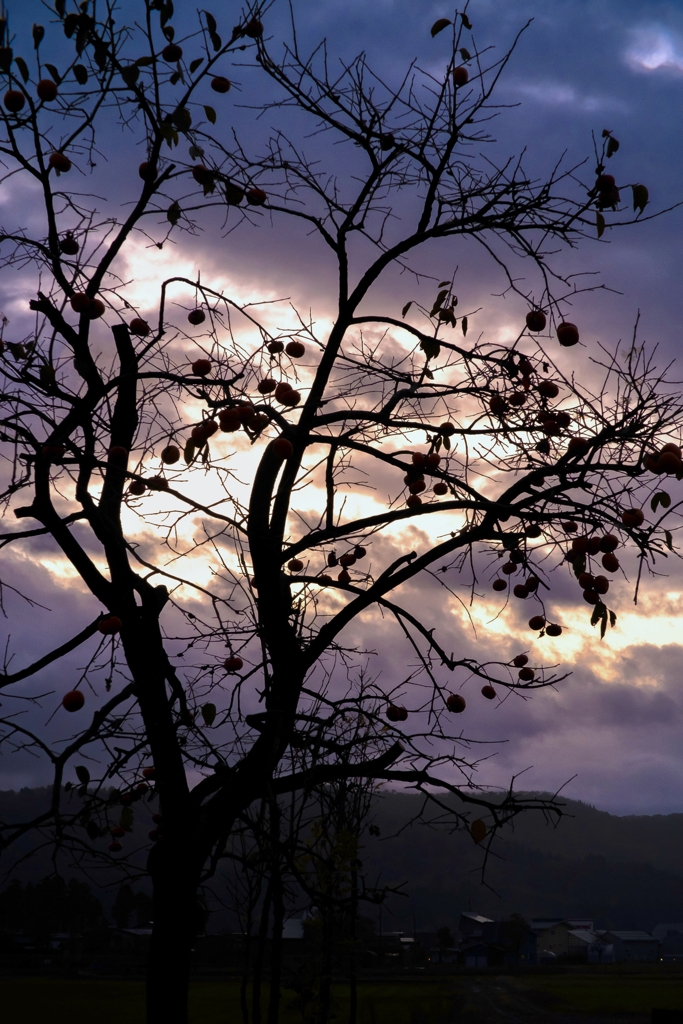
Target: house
point(474, 955)
point(488, 943)
point(471, 925)
point(586, 946)
point(552, 934)
point(633, 946)
point(671, 938)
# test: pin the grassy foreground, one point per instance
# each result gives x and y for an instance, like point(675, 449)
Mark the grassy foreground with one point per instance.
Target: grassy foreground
point(604, 990)
point(29, 1000)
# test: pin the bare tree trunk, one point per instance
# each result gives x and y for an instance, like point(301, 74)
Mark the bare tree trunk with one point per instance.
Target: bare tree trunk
point(353, 986)
point(260, 956)
point(168, 965)
point(276, 947)
point(326, 974)
point(278, 915)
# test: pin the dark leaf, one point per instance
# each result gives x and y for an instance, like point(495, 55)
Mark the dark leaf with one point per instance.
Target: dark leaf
point(446, 443)
point(130, 74)
point(169, 33)
point(406, 308)
point(205, 454)
point(83, 774)
point(68, 786)
point(465, 54)
point(211, 23)
point(93, 831)
point(166, 13)
point(430, 347)
point(21, 64)
point(197, 62)
point(439, 302)
point(144, 62)
point(466, 21)
point(54, 74)
point(169, 133)
point(600, 224)
point(70, 24)
point(598, 612)
point(606, 133)
point(612, 618)
point(81, 38)
point(100, 55)
point(189, 451)
point(640, 197)
point(660, 498)
point(126, 819)
point(463, 324)
point(60, 7)
point(603, 626)
point(209, 714)
point(439, 442)
point(173, 214)
point(81, 75)
point(579, 566)
point(38, 33)
point(443, 284)
point(182, 119)
point(233, 194)
point(439, 26)
point(612, 146)
point(210, 114)
point(216, 41)
point(669, 540)
point(175, 77)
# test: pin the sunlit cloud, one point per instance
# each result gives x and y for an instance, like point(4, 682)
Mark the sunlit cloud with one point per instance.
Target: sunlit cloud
point(553, 94)
point(655, 49)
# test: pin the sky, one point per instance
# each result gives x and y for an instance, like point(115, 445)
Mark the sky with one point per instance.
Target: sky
point(610, 733)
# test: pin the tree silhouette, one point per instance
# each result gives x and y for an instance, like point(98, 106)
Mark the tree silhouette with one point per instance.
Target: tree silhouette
point(225, 688)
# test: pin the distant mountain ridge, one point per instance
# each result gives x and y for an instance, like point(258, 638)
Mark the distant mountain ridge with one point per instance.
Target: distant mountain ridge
point(621, 872)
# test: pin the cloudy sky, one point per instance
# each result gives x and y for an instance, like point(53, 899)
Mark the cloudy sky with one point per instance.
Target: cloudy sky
point(615, 726)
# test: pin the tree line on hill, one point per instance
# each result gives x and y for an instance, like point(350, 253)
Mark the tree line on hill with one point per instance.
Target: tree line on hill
point(621, 872)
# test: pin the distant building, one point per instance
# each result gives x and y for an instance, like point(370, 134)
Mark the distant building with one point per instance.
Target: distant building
point(562, 936)
point(472, 925)
point(632, 946)
point(488, 943)
point(671, 938)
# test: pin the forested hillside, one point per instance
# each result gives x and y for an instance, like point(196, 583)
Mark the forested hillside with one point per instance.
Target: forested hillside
point(620, 871)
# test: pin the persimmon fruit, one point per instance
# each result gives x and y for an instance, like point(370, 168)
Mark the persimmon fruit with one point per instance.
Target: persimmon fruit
point(201, 367)
point(139, 327)
point(14, 101)
point(567, 334)
point(535, 320)
point(282, 447)
point(47, 90)
point(170, 454)
point(73, 700)
point(110, 626)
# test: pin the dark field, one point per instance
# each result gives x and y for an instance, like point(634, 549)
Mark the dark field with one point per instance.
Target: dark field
point(574, 996)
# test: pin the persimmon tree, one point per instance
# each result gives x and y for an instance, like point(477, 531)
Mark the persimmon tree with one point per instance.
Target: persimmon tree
point(120, 425)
